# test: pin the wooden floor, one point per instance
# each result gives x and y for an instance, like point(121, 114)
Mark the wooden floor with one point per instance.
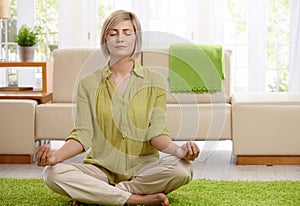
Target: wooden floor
point(215, 162)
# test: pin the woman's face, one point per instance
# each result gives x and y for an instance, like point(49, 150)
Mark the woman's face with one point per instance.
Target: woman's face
point(121, 39)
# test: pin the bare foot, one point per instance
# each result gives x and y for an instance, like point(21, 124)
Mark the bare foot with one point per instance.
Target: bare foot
point(75, 203)
point(154, 199)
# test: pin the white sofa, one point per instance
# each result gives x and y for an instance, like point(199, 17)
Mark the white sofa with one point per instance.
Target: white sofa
point(190, 116)
point(219, 116)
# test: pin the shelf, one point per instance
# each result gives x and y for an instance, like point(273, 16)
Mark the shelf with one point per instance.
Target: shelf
point(14, 92)
point(46, 72)
point(40, 97)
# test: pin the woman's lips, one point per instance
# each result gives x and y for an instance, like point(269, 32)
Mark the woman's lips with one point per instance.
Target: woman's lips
point(121, 47)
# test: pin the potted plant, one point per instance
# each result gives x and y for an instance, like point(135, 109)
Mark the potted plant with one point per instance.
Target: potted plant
point(27, 39)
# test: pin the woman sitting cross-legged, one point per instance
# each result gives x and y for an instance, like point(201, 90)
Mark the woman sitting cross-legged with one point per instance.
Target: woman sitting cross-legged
point(121, 123)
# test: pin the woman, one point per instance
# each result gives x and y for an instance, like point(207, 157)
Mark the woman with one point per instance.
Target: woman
point(120, 121)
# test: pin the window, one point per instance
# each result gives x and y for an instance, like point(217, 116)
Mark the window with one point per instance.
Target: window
point(46, 16)
point(258, 33)
point(277, 45)
point(235, 37)
point(9, 31)
point(8, 47)
point(104, 7)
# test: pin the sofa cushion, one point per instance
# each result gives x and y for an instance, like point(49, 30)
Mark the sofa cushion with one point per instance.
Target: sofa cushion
point(199, 121)
point(54, 120)
point(263, 98)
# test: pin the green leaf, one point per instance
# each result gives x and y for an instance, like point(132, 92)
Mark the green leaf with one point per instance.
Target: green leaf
point(27, 36)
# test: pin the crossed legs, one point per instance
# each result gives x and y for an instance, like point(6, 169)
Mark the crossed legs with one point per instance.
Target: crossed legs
point(87, 183)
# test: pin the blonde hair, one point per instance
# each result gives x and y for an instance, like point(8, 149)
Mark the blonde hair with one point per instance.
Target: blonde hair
point(115, 18)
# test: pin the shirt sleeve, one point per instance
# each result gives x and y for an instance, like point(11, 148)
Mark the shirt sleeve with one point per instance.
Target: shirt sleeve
point(158, 122)
point(83, 128)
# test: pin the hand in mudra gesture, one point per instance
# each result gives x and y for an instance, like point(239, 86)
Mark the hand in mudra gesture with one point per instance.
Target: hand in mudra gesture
point(43, 156)
point(189, 151)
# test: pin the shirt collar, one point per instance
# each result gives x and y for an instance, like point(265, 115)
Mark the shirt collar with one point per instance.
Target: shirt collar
point(138, 71)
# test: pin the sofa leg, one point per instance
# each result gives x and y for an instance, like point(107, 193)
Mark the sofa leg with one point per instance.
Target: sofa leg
point(268, 160)
point(15, 159)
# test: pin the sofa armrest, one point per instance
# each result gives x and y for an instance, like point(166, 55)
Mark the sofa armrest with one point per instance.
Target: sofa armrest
point(17, 123)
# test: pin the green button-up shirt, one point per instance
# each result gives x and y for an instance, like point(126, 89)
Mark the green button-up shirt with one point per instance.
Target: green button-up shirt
point(116, 130)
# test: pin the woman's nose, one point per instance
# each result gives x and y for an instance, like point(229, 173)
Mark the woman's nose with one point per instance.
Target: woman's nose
point(120, 38)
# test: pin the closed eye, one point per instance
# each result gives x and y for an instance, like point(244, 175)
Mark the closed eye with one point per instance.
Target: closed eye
point(128, 33)
point(112, 33)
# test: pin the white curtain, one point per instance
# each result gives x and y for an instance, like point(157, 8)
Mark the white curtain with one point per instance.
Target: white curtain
point(25, 13)
point(294, 73)
point(256, 45)
point(164, 21)
point(214, 18)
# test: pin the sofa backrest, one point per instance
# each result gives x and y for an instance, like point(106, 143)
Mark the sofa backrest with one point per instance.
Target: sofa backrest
point(69, 65)
point(158, 59)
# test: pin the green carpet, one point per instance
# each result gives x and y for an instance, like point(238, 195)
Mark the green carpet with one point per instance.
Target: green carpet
point(198, 192)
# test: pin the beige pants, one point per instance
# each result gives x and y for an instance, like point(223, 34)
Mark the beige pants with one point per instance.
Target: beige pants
point(87, 183)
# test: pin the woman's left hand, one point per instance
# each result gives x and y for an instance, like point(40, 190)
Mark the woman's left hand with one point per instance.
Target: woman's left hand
point(189, 151)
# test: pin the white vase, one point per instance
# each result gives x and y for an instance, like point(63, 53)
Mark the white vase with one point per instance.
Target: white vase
point(26, 53)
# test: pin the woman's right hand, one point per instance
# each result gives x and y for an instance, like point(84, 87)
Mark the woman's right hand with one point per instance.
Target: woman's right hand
point(43, 156)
